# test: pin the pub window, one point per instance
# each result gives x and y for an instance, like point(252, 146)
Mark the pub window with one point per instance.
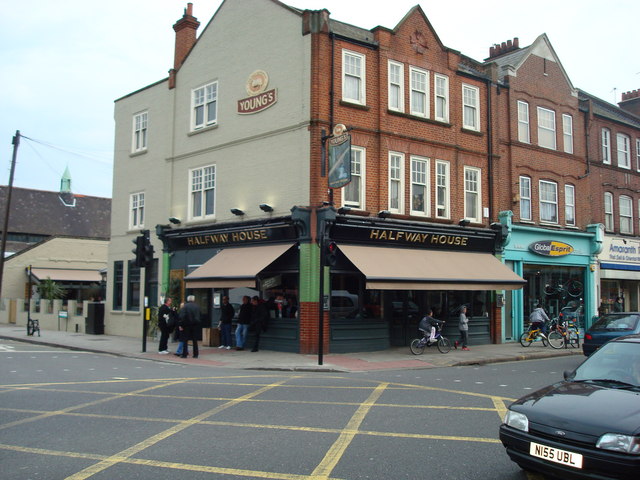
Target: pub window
point(118, 279)
point(420, 186)
point(396, 182)
point(353, 77)
point(203, 191)
point(204, 106)
point(353, 192)
point(136, 210)
point(133, 287)
point(472, 195)
point(442, 189)
point(139, 132)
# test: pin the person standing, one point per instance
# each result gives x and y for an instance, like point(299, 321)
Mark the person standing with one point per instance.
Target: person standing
point(618, 305)
point(463, 326)
point(259, 320)
point(166, 323)
point(188, 324)
point(244, 319)
point(226, 319)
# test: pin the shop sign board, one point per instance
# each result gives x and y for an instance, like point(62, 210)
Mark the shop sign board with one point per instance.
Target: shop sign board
point(229, 237)
point(551, 248)
point(618, 250)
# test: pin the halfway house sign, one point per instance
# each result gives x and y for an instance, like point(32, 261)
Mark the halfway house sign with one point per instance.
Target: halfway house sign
point(259, 97)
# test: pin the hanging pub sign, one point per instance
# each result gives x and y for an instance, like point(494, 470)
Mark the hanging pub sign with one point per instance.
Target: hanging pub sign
point(339, 157)
point(551, 248)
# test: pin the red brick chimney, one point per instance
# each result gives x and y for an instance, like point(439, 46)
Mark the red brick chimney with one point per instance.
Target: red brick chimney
point(631, 102)
point(185, 29)
point(504, 47)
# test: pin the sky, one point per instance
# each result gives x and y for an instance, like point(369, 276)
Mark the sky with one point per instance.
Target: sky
point(64, 63)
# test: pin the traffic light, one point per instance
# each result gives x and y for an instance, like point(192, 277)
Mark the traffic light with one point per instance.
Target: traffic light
point(147, 249)
point(331, 253)
point(139, 250)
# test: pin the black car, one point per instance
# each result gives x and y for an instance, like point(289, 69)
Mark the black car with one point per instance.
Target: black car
point(611, 325)
point(587, 426)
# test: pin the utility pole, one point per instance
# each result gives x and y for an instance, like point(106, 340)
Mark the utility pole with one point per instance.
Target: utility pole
point(16, 143)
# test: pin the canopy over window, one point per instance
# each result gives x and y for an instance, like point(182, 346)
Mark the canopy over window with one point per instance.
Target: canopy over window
point(413, 269)
point(66, 275)
point(235, 267)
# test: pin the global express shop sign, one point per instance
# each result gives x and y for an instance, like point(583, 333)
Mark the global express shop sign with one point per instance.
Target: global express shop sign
point(551, 248)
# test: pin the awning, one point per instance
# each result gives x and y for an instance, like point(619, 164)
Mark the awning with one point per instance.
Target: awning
point(66, 275)
point(413, 269)
point(235, 267)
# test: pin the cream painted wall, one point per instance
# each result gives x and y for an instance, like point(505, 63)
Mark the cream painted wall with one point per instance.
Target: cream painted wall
point(60, 252)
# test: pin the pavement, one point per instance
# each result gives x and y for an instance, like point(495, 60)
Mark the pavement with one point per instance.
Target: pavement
point(395, 358)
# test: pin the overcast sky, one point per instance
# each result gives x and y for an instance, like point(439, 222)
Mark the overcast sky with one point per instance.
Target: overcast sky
point(63, 63)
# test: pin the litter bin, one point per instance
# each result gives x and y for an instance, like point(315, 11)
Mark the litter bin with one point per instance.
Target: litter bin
point(94, 321)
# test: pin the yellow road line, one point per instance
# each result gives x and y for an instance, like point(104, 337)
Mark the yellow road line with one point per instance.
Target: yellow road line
point(128, 452)
point(338, 448)
point(500, 407)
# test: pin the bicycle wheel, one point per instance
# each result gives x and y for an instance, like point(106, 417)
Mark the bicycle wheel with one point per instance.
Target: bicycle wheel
point(525, 339)
point(574, 288)
point(543, 340)
point(415, 347)
point(444, 345)
point(574, 338)
point(556, 340)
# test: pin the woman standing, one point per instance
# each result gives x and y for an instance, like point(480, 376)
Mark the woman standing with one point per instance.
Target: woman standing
point(463, 325)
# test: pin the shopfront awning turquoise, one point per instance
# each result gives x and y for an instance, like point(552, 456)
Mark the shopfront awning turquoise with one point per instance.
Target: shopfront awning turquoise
point(416, 269)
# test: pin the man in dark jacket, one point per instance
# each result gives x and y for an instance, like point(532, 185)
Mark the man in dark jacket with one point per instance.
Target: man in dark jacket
point(188, 324)
point(259, 320)
point(166, 324)
point(428, 324)
point(244, 319)
point(226, 320)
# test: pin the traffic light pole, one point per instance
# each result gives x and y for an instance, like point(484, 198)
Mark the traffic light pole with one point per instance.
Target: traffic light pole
point(144, 259)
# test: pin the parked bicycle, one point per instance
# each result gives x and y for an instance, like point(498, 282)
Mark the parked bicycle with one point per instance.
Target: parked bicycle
point(533, 335)
point(563, 334)
point(33, 326)
point(418, 345)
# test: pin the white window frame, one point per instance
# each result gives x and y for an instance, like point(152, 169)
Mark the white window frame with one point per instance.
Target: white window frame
point(443, 185)
point(473, 194)
point(202, 185)
point(524, 132)
point(355, 72)
point(623, 143)
point(204, 99)
point(625, 211)
point(420, 169)
point(470, 107)
point(140, 132)
point(419, 91)
point(396, 86)
point(567, 132)
point(638, 154)
point(441, 97)
point(606, 146)
point(136, 210)
point(547, 128)
point(358, 164)
point(570, 205)
point(526, 212)
point(608, 212)
point(396, 179)
point(551, 201)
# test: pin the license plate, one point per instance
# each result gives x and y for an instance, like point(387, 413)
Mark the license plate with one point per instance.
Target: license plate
point(555, 455)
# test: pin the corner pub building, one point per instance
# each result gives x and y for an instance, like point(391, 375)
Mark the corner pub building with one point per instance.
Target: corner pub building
point(235, 193)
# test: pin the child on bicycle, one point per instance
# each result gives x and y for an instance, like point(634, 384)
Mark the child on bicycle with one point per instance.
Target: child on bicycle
point(428, 325)
point(539, 319)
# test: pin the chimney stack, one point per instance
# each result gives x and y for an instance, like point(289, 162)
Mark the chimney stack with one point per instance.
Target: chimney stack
point(185, 29)
point(501, 48)
point(631, 102)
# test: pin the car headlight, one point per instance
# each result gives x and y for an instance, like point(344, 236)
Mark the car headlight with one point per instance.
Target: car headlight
point(517, 420)
point(619, 443)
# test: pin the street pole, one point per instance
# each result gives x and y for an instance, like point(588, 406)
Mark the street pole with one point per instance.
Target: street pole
point(3, 247)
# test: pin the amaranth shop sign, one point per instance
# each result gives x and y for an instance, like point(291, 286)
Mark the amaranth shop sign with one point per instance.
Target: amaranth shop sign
point(551, 248)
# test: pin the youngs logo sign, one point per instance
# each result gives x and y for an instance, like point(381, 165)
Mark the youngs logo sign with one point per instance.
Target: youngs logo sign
point(551, 248)
point(259, 97)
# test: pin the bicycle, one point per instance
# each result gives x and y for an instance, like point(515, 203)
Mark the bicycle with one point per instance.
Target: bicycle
point(573, 288)
point(533, 335)
point(33, 326)
point(418, 345)
point(561, 335)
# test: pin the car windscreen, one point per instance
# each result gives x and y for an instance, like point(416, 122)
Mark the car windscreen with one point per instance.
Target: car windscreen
point(614, 361)
point(618, 323)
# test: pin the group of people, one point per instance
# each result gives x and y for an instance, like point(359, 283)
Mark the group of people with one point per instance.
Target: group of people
point(430, 325)
point(253, 315)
